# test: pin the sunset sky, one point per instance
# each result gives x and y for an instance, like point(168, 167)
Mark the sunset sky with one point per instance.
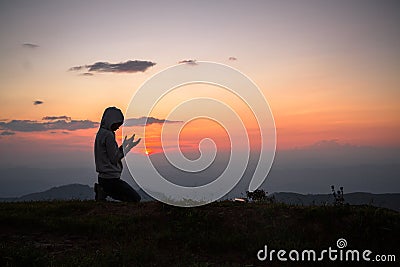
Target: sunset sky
point(330, 70)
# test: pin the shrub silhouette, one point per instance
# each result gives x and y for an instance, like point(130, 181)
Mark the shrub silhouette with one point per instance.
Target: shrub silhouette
point(259, 195)
point(338, 196)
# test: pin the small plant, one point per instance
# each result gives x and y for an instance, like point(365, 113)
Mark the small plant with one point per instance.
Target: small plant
point(259, 195)
point(338, 196)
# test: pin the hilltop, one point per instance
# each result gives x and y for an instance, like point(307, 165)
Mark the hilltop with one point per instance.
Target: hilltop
point(85, 192)
point(87, 233)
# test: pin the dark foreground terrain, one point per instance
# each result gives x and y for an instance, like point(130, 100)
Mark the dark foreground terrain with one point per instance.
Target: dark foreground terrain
point(86, 233)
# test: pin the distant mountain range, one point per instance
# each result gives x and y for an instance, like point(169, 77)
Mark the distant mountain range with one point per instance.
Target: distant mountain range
point(85, 192)
point(388, 200)
point(64, 192)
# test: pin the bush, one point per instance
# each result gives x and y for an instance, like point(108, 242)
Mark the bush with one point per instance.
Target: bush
point(338, 196)
point(259, 195)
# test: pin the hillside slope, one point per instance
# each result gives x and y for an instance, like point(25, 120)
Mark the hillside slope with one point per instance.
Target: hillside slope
point(86, 233)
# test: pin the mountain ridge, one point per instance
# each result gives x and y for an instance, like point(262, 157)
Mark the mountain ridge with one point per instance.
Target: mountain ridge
point(85, 192)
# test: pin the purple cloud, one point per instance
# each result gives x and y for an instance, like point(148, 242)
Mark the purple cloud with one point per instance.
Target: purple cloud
point(146, 121)
point(30, 46)
point(188, 61)
point(130, 66)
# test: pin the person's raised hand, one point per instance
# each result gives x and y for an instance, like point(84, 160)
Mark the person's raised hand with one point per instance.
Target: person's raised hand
point(136, 142)
point(126, 141)
point(128, 144)
point(133, 144)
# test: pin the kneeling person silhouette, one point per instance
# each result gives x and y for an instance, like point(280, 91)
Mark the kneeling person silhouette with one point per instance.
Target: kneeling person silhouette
point(108, 158)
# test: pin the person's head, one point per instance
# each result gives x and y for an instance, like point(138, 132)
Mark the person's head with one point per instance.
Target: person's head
point(115, 126)
point(112, 119)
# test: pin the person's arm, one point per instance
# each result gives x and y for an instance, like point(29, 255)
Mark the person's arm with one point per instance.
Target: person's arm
point(114, 152)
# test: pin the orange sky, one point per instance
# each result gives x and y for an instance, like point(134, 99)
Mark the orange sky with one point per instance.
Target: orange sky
point(328, 70)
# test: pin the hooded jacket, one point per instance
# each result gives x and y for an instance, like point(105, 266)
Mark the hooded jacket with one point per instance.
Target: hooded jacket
point(107, 154)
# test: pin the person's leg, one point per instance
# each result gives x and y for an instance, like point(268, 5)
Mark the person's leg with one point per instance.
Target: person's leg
point(109, 187)
point(100, 195)
point(119, 190)
point(127, 192)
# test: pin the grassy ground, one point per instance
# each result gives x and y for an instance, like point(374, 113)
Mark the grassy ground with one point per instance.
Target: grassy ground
point(75, 233)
